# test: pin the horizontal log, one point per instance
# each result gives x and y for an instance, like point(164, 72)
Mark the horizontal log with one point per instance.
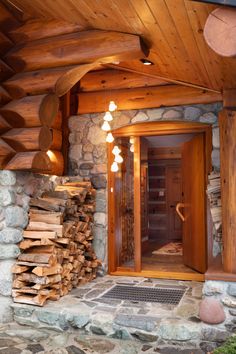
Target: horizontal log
point(76, 48)
point(6, 153)
point(57, 121)
point(229, 99)
point(5, 43)
point(7, 19)
point(36, 161)
point(35, 82)
point(40, 234)
point(31, 111)
point(5, 71)
point(56, 140)
point(46, 216)
point(4, 96)
point(29, 139)
point(4, 125)
point(39, 258)
point(38, 29)
point(138, 98)
point(112, 79)
point(44, 226)
point(57, 162)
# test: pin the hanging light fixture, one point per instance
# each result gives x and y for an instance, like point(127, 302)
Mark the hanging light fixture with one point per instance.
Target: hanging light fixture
point(112, 106)
point(116, 150)
point(119, 159)
point(109, 138)
point(106, 126)
point(131, 140)
point(114, 167)
point(131, 148)
point(108, 117)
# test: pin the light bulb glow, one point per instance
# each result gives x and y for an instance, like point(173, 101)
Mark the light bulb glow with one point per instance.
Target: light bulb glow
point(108, 117)
point(131, 148)
point(114, 167)
point(106, 126)
point(119, 159)
point(112, 106)
point(109, 138)
point(116, 150)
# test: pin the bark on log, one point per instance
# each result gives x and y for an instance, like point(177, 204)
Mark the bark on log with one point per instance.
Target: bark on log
point(31, 111)
point(35, 82)
point(29, 139)
point(56, 139)
point(76, 48)
point(220, 31)
point(38, 29)
point(57, 162)
point(35, 161)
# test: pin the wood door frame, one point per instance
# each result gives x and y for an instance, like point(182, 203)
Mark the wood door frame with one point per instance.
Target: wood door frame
point(156, 128)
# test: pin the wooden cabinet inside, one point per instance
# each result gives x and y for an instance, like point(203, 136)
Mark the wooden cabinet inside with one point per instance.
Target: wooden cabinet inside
point(164, 193)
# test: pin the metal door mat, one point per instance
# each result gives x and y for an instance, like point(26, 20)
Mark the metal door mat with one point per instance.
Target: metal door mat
point(163, 295)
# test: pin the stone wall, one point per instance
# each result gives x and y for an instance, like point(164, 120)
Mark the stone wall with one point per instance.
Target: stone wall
point(88, 156)
point(16, 189)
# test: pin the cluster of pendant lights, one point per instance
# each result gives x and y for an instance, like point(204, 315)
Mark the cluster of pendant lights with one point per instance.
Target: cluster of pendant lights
point(109, 139)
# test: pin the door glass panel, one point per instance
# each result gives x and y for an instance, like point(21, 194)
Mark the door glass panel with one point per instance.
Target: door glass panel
point(124, 206)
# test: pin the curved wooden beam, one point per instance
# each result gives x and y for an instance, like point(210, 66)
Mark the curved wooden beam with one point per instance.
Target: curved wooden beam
point(220, 31)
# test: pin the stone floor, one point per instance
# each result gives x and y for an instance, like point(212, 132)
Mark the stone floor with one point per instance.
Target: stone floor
point(129, 327)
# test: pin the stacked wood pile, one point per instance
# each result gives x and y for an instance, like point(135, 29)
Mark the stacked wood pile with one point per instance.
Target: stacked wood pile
point(214, 195)
point(57, 252)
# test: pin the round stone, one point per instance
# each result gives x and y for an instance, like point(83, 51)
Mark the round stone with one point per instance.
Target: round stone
point(16, 217)
point(140, 117)
point(172, 114)
point(211, 311)
point(7, 178)
point(10, 235)
point(6, 197)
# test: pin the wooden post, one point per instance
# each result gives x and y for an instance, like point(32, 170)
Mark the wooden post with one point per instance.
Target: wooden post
point(65, 107)
point(228, 186)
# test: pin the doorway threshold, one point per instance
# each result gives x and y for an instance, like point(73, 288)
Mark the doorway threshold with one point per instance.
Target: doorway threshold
point(160, 274)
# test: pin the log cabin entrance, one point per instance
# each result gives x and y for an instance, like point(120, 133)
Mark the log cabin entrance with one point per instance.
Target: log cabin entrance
point(157, 200)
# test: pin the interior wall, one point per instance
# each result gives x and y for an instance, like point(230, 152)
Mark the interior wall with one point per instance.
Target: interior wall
point(88, 153)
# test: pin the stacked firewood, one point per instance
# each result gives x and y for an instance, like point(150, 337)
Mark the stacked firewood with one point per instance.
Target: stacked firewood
point(214, 195)
point(57, 252)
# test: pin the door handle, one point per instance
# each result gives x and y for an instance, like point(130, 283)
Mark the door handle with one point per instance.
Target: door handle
point(177, 208)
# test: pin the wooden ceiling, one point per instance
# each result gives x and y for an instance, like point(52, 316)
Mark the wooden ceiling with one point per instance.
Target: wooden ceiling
point(172, 28)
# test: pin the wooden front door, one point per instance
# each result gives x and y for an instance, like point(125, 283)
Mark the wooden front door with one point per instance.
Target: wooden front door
point(194, 225)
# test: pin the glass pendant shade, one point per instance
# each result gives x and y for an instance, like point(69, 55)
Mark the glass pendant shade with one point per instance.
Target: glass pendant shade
point(119, 159)
point(108, 117)
point(131, 148)
point(131, 140)
point(112, 106)
point(116, 150)
point(114, 167)
point(109, 138)
point(106, 126)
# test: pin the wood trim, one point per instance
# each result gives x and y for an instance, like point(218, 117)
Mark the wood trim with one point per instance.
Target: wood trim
point(111, 213)
point(137, 205)
point(160, 275)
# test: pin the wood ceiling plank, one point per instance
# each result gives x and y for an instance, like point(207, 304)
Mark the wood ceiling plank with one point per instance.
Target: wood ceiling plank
point(198, 14)
point(163, 17)
point(154, 35)
point(183, 27)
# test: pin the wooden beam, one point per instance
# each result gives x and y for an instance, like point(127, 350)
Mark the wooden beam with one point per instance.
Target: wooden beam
point(37, 29)
point(220, 31)
point(35, 161)
point(7, 20)
point(111, 79)
point(139, 98)
point(5, 71)
point(31, 111)
point(65, 104)
point(76, 48)
point(229, 99)
point(227, 123)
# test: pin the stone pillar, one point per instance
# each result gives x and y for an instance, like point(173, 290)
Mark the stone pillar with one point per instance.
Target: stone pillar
point(13, 219)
